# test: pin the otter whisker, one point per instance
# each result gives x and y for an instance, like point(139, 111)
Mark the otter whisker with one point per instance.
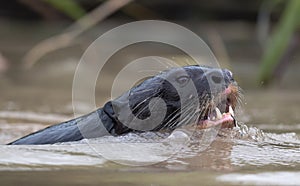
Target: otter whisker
point(139, 104)
point(145, 107)
point(189, 113)
point(173, 120)
point(240, 97)
point(146, 90)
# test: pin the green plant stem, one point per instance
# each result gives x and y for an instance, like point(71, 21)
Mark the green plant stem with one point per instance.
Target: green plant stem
point(69, 7)
point(280, 40)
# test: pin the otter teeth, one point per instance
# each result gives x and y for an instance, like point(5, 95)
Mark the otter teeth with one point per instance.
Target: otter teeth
point(231, 111)
point(218, 113)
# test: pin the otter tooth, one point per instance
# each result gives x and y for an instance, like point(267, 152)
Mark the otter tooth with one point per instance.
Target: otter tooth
point(231, 111)
point(218, 112)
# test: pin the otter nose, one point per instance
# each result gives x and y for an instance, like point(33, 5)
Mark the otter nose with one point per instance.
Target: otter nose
point(228, 74)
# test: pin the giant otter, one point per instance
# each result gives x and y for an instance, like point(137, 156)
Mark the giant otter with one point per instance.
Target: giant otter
point(215, 89)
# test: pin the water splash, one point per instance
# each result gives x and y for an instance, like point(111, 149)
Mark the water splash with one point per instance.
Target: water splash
point(238, 147)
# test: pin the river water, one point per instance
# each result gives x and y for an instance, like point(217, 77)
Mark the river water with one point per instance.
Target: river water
point(264, 150)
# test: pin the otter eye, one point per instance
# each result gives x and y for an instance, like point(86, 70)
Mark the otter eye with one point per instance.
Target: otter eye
point(182, 79)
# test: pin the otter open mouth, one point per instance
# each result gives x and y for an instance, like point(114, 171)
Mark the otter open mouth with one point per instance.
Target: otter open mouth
point(226, 119)
point(222, 113)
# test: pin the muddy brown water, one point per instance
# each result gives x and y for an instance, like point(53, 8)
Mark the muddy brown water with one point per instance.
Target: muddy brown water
point(265, 150)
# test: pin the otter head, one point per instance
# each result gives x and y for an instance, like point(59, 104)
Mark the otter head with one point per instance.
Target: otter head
point(199, 95)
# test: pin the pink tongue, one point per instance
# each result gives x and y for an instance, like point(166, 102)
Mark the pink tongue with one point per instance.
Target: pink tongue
point(226, 119)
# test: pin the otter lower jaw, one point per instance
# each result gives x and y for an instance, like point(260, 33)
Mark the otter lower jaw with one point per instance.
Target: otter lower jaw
point(226, 120)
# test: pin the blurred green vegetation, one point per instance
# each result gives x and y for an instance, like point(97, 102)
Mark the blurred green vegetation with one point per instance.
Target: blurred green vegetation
point(70, 8)
point(274, 49)
point(279, 41)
